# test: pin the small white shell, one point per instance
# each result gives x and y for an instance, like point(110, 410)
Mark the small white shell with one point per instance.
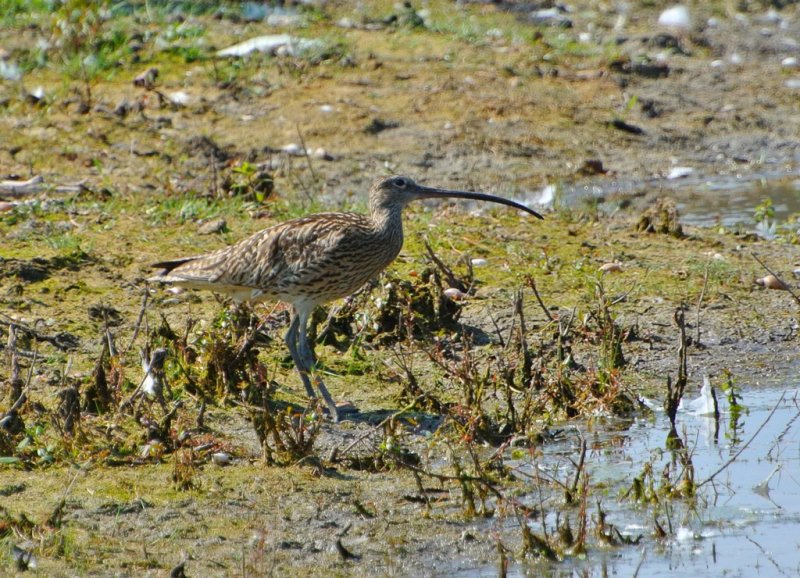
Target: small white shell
point(771, 282)
point(454, 294)
point(478, 262)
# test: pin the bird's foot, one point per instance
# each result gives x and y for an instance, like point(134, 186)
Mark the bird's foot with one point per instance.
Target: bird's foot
point(341, 410)
point(344, 408)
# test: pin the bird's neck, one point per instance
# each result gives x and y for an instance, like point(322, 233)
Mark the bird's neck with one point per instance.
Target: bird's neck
point(388, 224)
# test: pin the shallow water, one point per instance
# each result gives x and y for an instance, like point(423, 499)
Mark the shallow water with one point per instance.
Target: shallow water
point(725, 200)
point(731, 201)
point(741, 525)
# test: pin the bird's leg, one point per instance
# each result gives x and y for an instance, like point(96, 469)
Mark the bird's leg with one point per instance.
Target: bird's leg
point(307, 354)
point(291, 343)
point(305, 348)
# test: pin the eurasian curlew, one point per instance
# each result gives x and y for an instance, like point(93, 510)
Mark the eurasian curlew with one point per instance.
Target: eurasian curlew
point(312, 260)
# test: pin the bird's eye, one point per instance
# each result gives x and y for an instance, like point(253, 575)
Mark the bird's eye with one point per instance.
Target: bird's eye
point(400, 182)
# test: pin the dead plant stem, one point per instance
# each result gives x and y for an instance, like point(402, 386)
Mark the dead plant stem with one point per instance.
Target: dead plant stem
point(305, 153)
point(531, 282)
point(699, 305)
point(139, 319)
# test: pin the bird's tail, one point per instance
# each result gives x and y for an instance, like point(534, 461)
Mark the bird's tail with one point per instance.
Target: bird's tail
point(168, 266)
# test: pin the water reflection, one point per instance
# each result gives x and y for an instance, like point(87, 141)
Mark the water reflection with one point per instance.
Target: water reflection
point(742, 521)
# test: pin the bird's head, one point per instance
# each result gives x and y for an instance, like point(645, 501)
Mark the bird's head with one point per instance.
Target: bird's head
point(394, 193)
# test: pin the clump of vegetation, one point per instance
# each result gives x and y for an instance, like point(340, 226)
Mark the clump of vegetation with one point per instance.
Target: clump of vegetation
point(88, 44)
point(249, 181)
point(287, 437)
point(662, 218)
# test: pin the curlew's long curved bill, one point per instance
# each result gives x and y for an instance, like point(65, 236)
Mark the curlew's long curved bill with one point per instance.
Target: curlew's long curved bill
point(432, 193)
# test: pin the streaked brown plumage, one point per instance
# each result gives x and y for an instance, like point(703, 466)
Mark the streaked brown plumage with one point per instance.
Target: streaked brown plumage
point(312, 260)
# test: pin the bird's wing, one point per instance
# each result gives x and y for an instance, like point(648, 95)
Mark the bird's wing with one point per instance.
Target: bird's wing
point(269, 260)
point(200, 269)
point(295, 252)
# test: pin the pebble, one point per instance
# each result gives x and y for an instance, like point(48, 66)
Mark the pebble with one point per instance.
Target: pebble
point(592, 167)
point(23, 557)
point(676, 17)
point(180, 97)
point(771, 17)
point(146, 79)
point(549, 17)
point(679, 172)
point(789, 62)
point(123, 107)
point(37, 94)
point(615, 267)
point(285, 20)
point(9, 70)
point(321, 153)
point(478, 262)
point(294, 150)
point(212, 227)
point(221, 458)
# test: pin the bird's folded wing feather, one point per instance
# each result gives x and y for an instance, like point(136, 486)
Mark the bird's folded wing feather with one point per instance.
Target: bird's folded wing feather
point(271, 258)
